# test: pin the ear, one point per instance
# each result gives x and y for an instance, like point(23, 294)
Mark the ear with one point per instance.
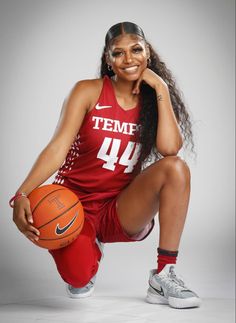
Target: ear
point(107, 58)
point(148, 51)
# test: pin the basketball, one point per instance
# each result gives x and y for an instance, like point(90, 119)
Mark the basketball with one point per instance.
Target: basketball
point(57, 214)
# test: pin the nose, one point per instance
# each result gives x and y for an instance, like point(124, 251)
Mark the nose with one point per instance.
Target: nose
point(128, 57)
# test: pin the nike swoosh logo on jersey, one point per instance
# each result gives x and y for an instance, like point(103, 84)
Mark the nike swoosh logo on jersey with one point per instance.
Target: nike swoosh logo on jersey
point(159, 291)
point(66, 227)
point(100, 107)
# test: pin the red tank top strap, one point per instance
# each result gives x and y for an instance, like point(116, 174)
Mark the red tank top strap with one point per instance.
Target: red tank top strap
point(107, 93)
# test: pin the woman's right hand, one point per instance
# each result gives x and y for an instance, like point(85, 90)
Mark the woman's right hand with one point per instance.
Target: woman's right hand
point(23, 219)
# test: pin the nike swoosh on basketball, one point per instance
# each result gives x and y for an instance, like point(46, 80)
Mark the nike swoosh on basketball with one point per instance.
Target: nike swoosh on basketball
point(66, 227)
point(100, 107)
point(159, 291)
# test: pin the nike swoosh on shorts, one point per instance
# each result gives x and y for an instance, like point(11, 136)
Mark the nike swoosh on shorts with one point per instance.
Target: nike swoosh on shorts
point(66, 227)
point(100, 107)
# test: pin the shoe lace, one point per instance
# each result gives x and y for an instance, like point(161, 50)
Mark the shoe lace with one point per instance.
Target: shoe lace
point(173, 282)
point(172, 285)
point(175, 278)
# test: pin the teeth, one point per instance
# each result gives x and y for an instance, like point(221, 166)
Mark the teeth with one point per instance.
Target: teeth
point(131, 69)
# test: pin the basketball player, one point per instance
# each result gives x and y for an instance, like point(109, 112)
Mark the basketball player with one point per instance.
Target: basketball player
point(116, 147)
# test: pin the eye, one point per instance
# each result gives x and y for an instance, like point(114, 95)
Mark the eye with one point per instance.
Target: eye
point(116, 54)
point(137, 49)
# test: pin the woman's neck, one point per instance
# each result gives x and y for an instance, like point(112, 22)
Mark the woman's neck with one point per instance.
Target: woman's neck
point(123, 88)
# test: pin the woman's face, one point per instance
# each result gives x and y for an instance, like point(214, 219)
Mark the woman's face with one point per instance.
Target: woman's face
point(128, 56)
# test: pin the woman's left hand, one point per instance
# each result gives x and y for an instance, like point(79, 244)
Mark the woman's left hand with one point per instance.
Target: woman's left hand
point(151, 78)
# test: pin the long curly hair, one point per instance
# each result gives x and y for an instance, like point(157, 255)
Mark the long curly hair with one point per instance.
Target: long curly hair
point(149, 113)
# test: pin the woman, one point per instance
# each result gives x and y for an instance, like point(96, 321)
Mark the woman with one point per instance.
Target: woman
point(108, 131)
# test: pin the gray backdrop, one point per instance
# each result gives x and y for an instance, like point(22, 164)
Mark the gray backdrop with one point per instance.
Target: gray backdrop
point(46, 46)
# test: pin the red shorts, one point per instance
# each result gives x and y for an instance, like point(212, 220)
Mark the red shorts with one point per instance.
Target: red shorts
point(77, 263)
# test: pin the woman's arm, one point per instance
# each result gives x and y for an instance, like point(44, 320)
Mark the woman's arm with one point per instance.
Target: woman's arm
point(168, 140)
point(51, 158)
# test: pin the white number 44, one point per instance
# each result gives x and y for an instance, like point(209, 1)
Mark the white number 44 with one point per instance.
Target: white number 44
point(129, 157)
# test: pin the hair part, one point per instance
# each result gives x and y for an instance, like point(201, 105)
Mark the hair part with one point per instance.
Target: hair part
point(122, 28)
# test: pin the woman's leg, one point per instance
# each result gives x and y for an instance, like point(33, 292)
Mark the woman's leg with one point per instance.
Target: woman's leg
point(163, 187)
point(77, 263)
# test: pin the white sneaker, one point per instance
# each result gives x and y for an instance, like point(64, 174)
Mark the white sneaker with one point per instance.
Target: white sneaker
point(82, 292)
point(167, 288)
point(87, 290)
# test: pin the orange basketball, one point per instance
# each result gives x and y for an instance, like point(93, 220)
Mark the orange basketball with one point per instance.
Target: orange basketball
point(58, 215)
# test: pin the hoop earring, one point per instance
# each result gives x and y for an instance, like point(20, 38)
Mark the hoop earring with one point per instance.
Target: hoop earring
point(109, 67)
point(149, 62)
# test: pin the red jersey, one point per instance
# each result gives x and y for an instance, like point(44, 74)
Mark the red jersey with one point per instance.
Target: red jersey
point(104, 157)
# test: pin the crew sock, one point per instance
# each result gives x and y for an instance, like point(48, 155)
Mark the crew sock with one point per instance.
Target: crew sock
point(165, 257)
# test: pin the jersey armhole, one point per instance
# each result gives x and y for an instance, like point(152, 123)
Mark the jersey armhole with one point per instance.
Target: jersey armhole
point(100, 95)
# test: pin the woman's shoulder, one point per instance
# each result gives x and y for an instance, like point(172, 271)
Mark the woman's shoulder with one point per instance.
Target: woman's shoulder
point(89, 85)
point(89, 88)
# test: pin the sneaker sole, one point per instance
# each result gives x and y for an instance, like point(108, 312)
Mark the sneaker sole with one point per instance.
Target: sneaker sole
point(156, 299)
point(172, 301)
point(184, 303)
point(78, 296)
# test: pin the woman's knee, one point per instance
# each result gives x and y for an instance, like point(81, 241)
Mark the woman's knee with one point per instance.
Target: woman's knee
point(175, 167)
point(78, 262)
point(168, 168)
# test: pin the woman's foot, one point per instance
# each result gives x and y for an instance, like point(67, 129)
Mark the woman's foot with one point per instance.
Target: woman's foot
point(82, 292)
point(167, 288)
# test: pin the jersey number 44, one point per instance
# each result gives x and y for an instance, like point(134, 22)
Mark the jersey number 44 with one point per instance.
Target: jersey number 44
point(129, 157)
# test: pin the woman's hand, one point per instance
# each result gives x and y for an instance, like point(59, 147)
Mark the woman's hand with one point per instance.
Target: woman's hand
point(151, 78)
point(23, 219)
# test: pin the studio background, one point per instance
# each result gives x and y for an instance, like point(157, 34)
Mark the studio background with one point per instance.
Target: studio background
point(46, 47)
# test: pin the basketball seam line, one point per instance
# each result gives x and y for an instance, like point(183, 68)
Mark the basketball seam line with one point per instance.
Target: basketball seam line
point(59, 189)
point(58, 215)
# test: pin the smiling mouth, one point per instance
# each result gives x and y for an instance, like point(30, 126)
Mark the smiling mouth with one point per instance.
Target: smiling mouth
point(131, 69)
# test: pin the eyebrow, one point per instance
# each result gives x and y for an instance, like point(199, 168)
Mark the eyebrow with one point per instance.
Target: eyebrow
point(128, 47)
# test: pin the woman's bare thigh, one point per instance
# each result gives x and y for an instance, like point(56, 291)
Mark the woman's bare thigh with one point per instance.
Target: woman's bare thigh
point(139, 202)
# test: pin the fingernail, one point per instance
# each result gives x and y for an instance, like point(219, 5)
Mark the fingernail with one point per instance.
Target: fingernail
point(36, 239)
point(31, 220)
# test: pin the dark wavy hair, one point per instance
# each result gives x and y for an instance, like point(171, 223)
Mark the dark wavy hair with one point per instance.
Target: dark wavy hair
point(149, 113)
